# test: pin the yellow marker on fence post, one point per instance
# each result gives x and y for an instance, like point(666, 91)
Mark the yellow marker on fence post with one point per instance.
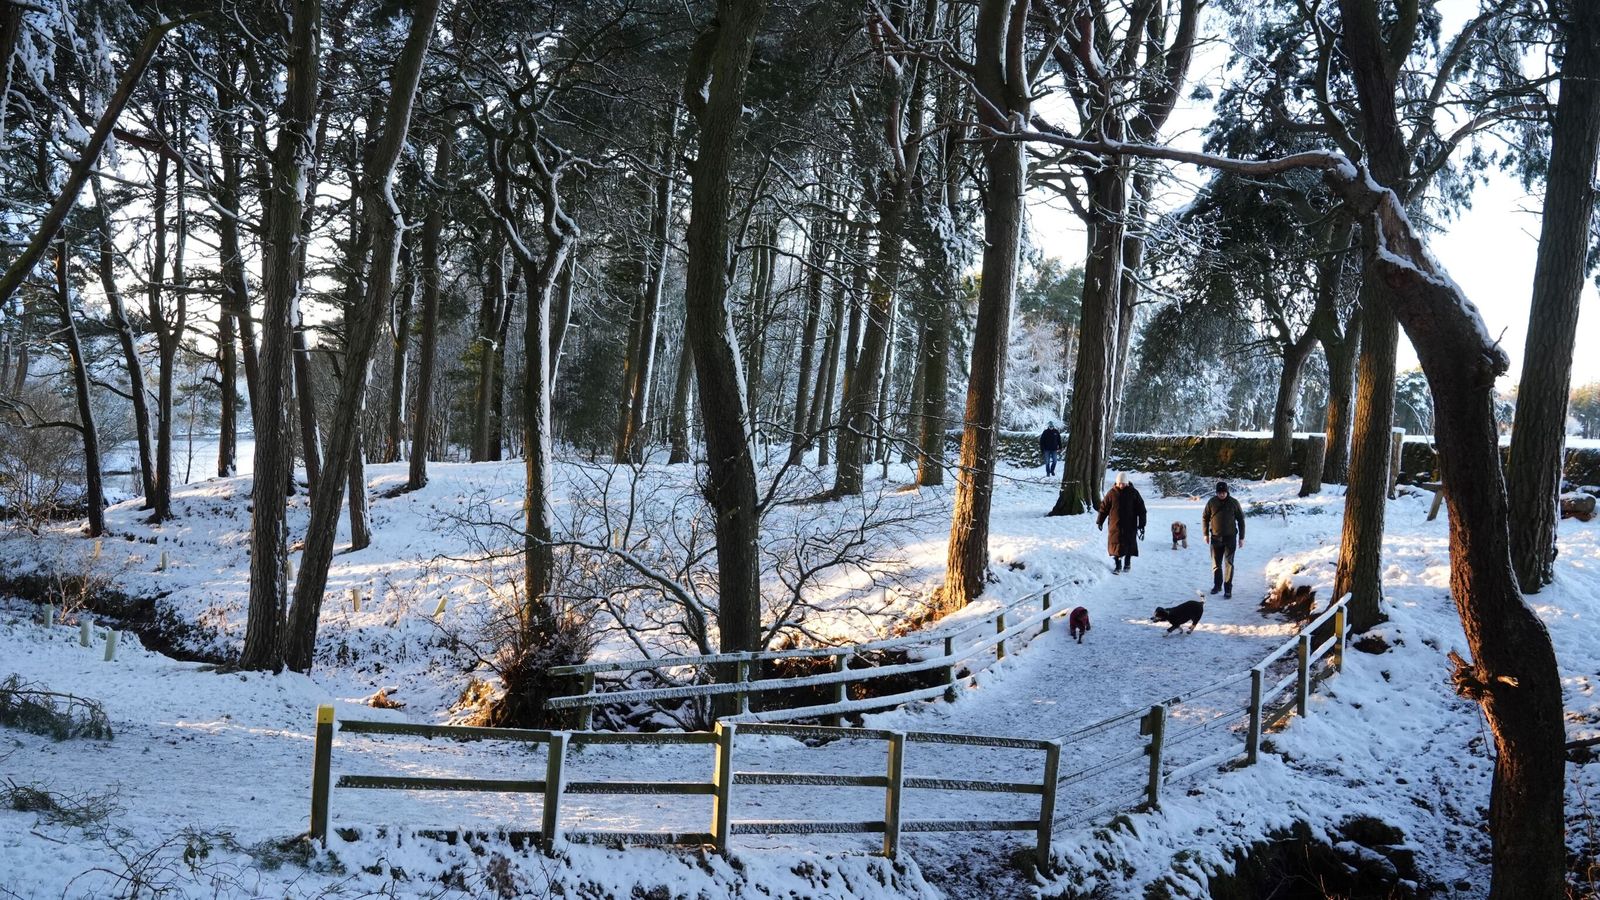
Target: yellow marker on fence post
point(1155, 722)
point(321, 764)
point(554, 784)
point(1339, 628)
point(1047, 804)
point(722, 784)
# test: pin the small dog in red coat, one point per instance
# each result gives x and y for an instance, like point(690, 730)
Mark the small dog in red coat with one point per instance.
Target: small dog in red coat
point(1078, 623)
point(1180, 535)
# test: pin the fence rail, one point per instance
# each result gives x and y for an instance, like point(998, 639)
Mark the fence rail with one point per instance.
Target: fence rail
point(953, 647)
point(1158, 736)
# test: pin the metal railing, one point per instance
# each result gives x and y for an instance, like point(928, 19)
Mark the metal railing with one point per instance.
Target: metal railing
point(952, 646)
point(1158, 735)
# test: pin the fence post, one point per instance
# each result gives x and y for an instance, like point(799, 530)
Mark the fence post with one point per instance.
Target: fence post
point(1156, 727)
point(722, 779)
point(1047, 803)
point(583, 716)
point(742, 675)
point(1339, 626)
point(85, 630)
point(321, 763)
point(554, 784)
point(1000, 628)
point(1252, 740)
point(111, 644)
point(950, 670)
point(891, 798)
point(841, 690)
point(1044, 605)
point(1302, 688)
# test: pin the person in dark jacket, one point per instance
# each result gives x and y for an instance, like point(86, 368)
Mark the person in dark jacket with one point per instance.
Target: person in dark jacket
point(1050, 447)
point(1223, 527)
point(1124, 509)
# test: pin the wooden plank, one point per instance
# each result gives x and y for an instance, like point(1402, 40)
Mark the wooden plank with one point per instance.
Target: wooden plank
point(632, 788)
point(409, 783)
point(835, 732)
point(641, 838)
point(759, 827)
point(929, 826)
point(722, 778)
point(1106, 765)
point(810, 712)
point(1210, 762)
point(652, 737)
point(975, 740)
point(448, 732)
point(813, 779)
point(967, 784)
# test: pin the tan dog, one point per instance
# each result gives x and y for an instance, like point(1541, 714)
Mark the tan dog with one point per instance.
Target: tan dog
point(1180, 535)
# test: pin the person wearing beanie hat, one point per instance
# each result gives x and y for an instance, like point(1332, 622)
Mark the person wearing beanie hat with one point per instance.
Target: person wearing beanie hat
point(1223, 527)
point(1124, 508)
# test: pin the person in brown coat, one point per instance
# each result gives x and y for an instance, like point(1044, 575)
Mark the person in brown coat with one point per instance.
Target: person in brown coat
point(1124, 508)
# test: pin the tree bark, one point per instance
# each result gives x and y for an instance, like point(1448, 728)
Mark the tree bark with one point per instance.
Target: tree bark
point(714, 92)
point(1083, 464)
point(1538, 438)
point(678, 421)
point(816, 259)
point(639, 372)
point(94, 497)
point(1001, 82)
point(1280, 452)
point(490, 313)
point(166, 346)
point(432, 229)
point(399, 365)
point(137, 394)
point(384, 216)
point(291, 165)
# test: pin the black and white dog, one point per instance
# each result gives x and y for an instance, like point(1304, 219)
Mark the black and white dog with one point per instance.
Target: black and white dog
point(1186, 613)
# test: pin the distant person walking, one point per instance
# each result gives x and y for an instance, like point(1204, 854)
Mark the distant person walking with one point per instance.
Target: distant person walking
point(1223, 526)
point(1124, 509)
point(1050, 447)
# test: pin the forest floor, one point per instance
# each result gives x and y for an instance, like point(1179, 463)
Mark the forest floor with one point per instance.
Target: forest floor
point(208, 773)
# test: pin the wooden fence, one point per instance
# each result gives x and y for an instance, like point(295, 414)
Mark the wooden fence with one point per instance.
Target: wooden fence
point(950, 647)
point(1268, 704)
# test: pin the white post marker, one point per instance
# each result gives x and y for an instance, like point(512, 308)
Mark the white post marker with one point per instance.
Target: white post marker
point(355, 599)
point(85, 634)
point(111, 644)
point(162, 566)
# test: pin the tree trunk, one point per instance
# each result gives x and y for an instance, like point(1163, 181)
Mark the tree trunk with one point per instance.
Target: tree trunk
point(166, 347)
point(1341, 355)
point(560, 310)
point(399, 376)
point(138, 396)
point(1311, 469)
point(852, 353)
point(1360, 549)
point(384, 216)
point(816, 259)
point(1083, 464)
point(678, 422)
point(714, 92)
point(432, 228)
point(489, 315)
point(998, 39)
point(94, 491)
point(1538, 438)
point(291, 164)
point(935, 390)
point(360, 518)
point(639, 373)
point(1280, 452)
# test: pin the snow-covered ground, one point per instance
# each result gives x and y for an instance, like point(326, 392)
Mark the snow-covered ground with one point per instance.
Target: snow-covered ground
point(209, 770)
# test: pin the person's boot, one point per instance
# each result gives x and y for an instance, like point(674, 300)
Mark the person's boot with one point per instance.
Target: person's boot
point(1117, 570)
point(1216, 587)
point(1227, 591)
point(1128, 565)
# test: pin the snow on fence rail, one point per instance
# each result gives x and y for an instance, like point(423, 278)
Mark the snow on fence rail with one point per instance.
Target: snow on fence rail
point(1158, 736)
point(952, 646)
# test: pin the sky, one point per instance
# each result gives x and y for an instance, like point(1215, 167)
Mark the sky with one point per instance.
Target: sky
point(1488, 249)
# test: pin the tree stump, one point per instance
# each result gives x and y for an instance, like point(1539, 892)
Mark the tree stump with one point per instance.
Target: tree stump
point(1311, 467)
